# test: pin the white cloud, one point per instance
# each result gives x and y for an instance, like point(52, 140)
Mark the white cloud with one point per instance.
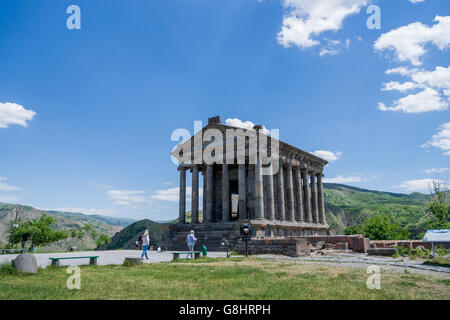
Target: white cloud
point(441, 139)
point(424, 101)
point(434, 96)
point(173, 194)
point(404, 86)
point(234, 122)
point(347, 179)
point(330, 156)
point(416, 1)
point(404, 71)
point(305, 20)
point(128, 197)
point(418, 185)
point(12, 113)
point(408, 42)
point(334, 47)
point(438, 79)
point(437, 170)
point(7, 187)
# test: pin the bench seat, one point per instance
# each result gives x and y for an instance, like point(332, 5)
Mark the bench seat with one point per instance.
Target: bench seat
point(92, 260)
point(176, 255)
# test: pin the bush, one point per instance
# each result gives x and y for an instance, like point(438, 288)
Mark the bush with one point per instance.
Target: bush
point(7, 268)
point(412, 253)
point(438, 208)
point(379, 227)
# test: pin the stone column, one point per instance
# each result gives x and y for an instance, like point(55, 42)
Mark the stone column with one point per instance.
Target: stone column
point(321, 199)
point(259, 192)
point(280, 186)
point(315, 207)
point(204, 194)
point(209, 193)
point(290, 194)
point(242, 192)
point(194, 209)
point(225, 194)
point(182, 201)
point(306, 199)
point(299, 195)
point(270, 214)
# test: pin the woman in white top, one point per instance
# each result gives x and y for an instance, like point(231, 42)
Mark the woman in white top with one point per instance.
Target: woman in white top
point(145, 244)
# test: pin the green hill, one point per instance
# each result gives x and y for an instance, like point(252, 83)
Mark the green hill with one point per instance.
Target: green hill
point(347, 206)
point(126, 238)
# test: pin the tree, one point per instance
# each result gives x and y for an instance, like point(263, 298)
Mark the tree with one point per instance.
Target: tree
point(438, 208)
point(40, 232)
point(353, 230)
point(81, 232)
point(380, 227)
point(103, 240)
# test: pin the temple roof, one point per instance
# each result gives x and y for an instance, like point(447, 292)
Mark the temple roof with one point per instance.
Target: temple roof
point(286, 150)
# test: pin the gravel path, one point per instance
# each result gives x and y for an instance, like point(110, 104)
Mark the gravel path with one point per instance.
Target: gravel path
point(354, 260)
point(360, 260)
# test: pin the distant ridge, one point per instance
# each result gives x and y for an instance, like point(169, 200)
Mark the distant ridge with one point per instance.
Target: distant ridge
point(64, 220)
point(114, 221)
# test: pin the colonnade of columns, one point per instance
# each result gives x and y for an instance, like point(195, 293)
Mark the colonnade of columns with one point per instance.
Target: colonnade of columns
point(298, 196)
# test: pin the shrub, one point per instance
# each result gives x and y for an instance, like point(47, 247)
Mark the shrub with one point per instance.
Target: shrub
point(7, 268)
point(379, 227)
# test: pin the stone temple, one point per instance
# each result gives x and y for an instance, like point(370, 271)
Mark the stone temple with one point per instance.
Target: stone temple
point(287, 201)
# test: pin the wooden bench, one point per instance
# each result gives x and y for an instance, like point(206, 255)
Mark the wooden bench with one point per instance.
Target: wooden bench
point(92, 260)
point(176, 255)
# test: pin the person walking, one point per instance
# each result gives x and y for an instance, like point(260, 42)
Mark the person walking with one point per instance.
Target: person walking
point(137, 245)
point(145, 244)
point(190, 240)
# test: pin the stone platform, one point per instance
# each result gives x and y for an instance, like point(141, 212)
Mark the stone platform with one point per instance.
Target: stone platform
point(212, 234)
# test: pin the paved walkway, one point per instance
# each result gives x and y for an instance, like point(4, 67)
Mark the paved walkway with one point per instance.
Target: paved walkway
point(357, 260)
point(105, 257)
point(361, 260)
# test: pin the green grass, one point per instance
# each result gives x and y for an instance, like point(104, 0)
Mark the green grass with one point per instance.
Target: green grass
point(7, 269)
point(439, 261)
point(233, 278)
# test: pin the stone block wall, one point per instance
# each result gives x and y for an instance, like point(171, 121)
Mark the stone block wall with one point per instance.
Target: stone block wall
point(288, 247)
point(357, 243)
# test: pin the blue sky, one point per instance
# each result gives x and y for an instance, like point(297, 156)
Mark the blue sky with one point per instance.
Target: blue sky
point(86, 115)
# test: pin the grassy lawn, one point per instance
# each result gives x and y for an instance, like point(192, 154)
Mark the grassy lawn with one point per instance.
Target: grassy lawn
point(235, 278)
point(440, 261)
